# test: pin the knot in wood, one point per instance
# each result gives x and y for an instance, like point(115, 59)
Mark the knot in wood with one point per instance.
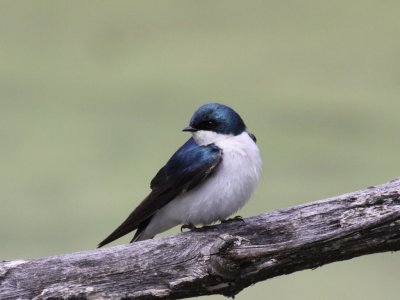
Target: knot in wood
point(220, 262)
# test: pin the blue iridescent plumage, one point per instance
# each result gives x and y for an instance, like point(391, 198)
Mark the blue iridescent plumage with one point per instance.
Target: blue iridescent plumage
point(187, 162)
point(224, 119)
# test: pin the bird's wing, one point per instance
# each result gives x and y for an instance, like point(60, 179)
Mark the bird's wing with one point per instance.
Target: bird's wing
point(186, 169)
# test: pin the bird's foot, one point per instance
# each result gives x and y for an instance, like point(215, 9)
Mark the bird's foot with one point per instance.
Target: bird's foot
point(234, 219)
point(188, 226)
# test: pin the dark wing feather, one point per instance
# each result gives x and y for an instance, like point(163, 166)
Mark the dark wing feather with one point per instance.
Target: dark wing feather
point(253, 137)
point(186, 169)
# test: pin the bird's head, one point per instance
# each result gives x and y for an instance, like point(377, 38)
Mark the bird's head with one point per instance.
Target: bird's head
point(212, 122)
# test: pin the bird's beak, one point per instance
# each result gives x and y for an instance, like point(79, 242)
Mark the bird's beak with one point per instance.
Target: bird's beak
point(189, 128)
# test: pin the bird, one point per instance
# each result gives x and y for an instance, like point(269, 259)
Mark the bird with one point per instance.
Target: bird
point(209, 178)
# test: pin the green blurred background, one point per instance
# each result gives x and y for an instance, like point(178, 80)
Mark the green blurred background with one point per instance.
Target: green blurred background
point(93, 95)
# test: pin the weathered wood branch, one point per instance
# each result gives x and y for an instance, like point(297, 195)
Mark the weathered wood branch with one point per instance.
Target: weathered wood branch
point(221, 259)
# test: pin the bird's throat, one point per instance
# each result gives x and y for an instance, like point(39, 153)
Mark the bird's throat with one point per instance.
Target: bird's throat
point(205, 137)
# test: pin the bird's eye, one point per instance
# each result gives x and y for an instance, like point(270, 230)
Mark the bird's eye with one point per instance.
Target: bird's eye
point(206, 124)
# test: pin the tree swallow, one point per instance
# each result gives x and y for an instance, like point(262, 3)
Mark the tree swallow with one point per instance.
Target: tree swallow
point(209, 178)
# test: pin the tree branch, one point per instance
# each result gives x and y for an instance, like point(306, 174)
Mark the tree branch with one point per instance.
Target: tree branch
point(221, 259)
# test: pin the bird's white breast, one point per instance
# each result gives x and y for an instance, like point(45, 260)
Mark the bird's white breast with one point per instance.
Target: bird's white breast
point(223, 193)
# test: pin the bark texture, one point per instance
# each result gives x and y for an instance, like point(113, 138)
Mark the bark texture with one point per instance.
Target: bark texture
point(222, 259)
